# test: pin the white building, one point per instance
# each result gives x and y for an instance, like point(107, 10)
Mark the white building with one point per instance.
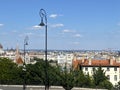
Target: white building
point(27, 58)
point(110, 66)
point(10, 54)
point(65, 59)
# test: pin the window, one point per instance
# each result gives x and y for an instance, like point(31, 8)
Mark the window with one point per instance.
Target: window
point(93, 68)
point(108, 69)
point(115, 77)
point(86, 69)
point(108, 76)
point(115, 68)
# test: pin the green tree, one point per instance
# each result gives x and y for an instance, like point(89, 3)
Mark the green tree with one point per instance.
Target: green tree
point(9, 72)
point(66, 78)
point(106, 84)
point(99, 76)
point(100, 80)
point(82, 80)
point(36, 73)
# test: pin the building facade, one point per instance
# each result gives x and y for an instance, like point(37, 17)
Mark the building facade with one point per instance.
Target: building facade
point(110, 66)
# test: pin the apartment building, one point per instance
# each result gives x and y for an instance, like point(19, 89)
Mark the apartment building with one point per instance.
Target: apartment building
point(110, 66)
point(65, 59)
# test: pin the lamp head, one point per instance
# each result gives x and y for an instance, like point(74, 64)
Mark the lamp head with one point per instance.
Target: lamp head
point(26, 43)
point(42, 23)
point(26, 40)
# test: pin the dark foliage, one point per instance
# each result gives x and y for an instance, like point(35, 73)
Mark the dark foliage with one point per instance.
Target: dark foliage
point(35, 74)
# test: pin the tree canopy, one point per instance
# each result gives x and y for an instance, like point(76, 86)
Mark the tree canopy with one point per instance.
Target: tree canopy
point(34, 74)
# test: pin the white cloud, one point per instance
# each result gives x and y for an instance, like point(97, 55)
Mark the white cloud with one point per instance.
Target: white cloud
point(53, 15)
point(68, 31)
point(36, 27)
point(77, 35)
point(1, 24)
point(57, 25)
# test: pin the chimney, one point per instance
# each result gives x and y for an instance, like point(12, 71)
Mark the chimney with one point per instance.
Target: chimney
point(89, 61)
point(83, 59)
point(75, 57)
point(111, 61)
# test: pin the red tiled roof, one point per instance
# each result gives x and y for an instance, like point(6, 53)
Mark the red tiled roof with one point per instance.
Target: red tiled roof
point(19, 60)
point(95, 63)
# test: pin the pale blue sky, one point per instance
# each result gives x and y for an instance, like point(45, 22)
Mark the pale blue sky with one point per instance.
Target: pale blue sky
point(72, 24)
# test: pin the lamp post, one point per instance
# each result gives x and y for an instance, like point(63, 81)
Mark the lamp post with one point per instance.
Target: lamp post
point(25, 43)
point(24, 63)
point(43, 15)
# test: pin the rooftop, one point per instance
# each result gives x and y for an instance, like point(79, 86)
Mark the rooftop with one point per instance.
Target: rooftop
point(92, 63)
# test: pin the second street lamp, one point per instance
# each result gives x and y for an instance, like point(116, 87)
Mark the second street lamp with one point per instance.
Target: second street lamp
point(25, 43)
point(24, 63)
point(43, 16)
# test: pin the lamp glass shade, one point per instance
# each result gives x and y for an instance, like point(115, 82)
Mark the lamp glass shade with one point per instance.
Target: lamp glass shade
point(41, 24)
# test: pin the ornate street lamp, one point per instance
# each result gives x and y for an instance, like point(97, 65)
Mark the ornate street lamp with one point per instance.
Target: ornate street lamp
point(43, 16)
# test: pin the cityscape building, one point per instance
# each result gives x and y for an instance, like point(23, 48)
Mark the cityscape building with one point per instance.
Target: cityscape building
point(110, 66)
point(85, 60)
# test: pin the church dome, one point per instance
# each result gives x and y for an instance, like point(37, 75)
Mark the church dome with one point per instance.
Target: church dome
point(1, 47)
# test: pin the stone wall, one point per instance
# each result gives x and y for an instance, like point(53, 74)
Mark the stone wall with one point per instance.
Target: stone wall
point(31, 87)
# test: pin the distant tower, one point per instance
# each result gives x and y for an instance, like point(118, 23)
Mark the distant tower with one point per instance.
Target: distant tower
point(17, 52)
point(18, 58)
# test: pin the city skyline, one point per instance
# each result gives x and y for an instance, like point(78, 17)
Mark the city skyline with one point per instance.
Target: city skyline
point(80, 24)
